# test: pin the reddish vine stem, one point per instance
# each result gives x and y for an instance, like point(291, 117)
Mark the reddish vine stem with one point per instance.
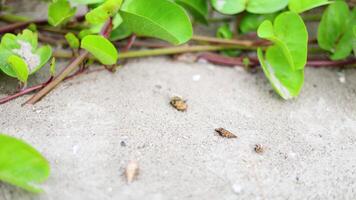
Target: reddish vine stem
point(20, 25)
point(129, 43)
point(228, 61)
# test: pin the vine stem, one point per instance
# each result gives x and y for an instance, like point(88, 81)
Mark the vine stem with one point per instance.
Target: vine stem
point(105, 32)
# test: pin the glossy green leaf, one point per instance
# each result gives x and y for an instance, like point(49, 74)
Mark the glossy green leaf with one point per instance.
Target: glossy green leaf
point(285, 81)
point(300, 6)
point(250, 22)
point(59, 12)
point(354, 40)
point(21, 164)
point(19, 66)
point(157, 18)
point(101, 48)
point(335, 32)
point(121, 32)
point(285, 59)
point(253, 6)
point(290, 34)
point(197, 8)
point(102, 13)
point(72, 40)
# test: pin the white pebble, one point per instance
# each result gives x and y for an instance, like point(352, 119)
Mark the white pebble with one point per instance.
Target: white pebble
point(196, 77)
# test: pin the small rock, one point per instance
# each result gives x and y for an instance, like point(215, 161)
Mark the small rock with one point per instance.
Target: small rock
point(179, 104)
point(225, 133)
point(75, 149)
point(132, 170)
point(123, 143)
point(259, 148)
point(342, 78)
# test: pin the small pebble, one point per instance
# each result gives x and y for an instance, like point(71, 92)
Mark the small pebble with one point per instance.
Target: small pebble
point(179, 104)
point(237, 188)
point(259, 149)
point(123, 143)
point(132, 170)
point(225, 133)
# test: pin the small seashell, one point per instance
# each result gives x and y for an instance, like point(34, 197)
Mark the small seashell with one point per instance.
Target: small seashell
point(225, 133)
point(179, 104)
point(132, 170)
point(259, 148)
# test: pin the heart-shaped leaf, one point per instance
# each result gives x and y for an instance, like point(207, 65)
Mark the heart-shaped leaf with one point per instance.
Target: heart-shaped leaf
point(335, 32)
point(300, 6)
point(22, 165)
point(101, 48)
point(253, 6)
point(197, 8)
point(286, 58)
point(59, 12)
point(157, 18)
point(285, 81)
point(290, 34)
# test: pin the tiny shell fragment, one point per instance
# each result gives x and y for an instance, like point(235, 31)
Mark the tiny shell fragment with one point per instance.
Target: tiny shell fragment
point(131, 171)
point(178, 103)
point(225, 133)
point(259, 149)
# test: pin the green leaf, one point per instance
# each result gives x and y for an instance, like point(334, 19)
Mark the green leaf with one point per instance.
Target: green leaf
point(253, 6)
point(25, 46)
point(335, 30)
point(285, 81)
point(354, 40)
point(197, 8)
point(121, 32)
point(60, 12)
point(157, 18)
point(101, 48)
point(72, 40)
point(300, 6)
point(21, 164)
point(286, 58)
point(101, 13)
point(19, 66)
point(250, 22)
point(290, 34)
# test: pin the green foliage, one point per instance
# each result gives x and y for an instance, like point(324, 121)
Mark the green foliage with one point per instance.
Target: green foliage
point(300, 6)
point(285, 59)
point(19, 66)
point(24, 46)
point(335, 32)
point(157, 18)
point(21, 164)
point(72, 40)
point(253, 6)
point(197, 8)
point(101, 48)
point(101, 13)
point(59, 12)
point(225, 32)
point(250, 22)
